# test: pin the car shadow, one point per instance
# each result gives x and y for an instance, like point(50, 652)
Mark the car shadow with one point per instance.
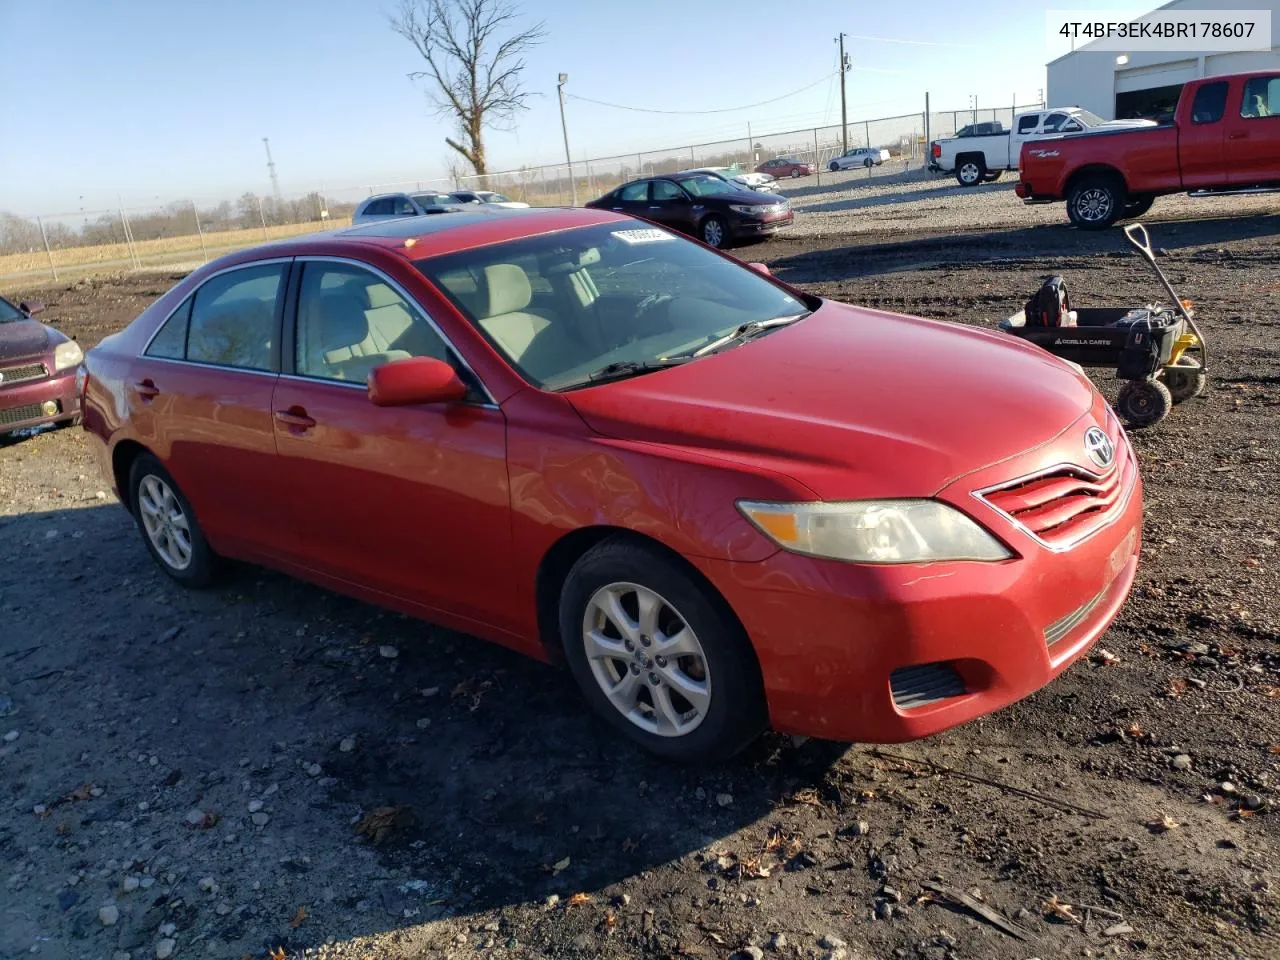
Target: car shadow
point(1168, 236)
point(493, 783)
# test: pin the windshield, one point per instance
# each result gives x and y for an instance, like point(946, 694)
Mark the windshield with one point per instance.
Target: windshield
point(432, 199)
point(704, 185)
point(9, 313)
point(1089, 119)
point(563, 306)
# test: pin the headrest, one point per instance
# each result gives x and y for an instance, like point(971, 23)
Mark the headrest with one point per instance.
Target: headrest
point(509, 289)
point(342, 320)
point(381, 295)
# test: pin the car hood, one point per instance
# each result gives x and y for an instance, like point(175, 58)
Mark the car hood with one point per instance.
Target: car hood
point(24, 338)
point(853, 403)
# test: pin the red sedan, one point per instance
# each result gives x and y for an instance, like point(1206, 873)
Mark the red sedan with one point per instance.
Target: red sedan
point(725, 503)
point(785, 167)
point(37, 370)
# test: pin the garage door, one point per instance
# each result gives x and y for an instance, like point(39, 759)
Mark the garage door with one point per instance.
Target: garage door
point(1157, 75)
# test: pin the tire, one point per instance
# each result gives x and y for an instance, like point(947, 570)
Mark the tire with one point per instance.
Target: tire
point(1186, 380)
point(992, 176)
point(868, 163)
point(833, 167)
point(970, 170)
point(795, 174)
point(150, 485)
point(1096, 202)
point(713, 232)
point(1144, 403)
point(728, 711)
point(1137, 206)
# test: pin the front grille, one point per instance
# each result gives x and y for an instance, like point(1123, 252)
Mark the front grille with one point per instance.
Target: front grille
point(1068, 504)
point(1059, 629)
point(23, 374)
point(13, 415)
point(928, 683)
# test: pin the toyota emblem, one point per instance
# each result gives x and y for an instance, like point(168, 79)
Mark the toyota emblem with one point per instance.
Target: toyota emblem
point(1098, 446)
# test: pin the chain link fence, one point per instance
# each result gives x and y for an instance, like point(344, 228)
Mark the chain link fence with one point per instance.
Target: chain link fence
point(185, 233)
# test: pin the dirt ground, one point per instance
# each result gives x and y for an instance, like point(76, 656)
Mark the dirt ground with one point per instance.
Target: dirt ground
point(268, 769)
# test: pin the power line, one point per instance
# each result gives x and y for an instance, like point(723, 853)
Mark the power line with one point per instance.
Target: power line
point(749, 106)
point(913, 43)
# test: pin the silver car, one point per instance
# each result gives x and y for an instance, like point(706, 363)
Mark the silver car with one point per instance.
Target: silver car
point(388, 206)
point(859, 157)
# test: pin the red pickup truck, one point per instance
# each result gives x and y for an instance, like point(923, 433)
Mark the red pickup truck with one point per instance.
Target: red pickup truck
point(1224, 138)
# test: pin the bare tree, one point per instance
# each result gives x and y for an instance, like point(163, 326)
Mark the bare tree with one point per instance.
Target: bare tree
point(474, 63)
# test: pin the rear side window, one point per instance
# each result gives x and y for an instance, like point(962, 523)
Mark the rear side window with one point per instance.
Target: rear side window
point(1261, 98)
point(233, 318)
point(378, 208)
point(401, 207)
point(1209, 104)
point(635, 192)
point(170, 341)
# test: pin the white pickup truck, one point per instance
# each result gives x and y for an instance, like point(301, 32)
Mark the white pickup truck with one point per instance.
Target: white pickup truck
point(985, 156)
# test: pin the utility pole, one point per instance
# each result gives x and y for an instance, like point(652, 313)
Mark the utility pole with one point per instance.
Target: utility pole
point(271, 169)
point(844, 109)
point(573, 187)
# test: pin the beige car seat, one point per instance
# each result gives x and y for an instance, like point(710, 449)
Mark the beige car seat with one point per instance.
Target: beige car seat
point(542, 347)
point(342, 344)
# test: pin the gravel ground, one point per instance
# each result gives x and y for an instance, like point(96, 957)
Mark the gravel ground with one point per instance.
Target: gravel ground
point(268, 769)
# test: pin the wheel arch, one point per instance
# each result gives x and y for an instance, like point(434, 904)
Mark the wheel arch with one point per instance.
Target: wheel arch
point(1094, 169)
point(123, 456)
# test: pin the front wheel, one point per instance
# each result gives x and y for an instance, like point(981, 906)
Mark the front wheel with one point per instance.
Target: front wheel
point(168, 525)
point(713, 232)
point(1144, 403)
point(1186, 379)
point(833, 166)
point(659, 656)
point(1096, 202)
point(868, 163)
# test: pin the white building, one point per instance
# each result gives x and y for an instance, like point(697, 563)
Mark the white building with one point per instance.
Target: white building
point(1146, 83)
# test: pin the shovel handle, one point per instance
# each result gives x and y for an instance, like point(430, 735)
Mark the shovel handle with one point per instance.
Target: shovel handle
point(1137, 235)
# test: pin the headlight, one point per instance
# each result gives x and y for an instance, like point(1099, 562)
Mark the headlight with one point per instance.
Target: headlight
point(875, 531)
point(747, 209)
point(67, 355)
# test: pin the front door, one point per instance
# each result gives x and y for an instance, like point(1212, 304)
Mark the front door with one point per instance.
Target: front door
point(200, 397)
point(1201, 142)
point(409, 501)
point(671, 206)
point(1253, 137)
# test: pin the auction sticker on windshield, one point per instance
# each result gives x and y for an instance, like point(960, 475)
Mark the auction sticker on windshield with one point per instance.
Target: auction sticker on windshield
point(642, 236)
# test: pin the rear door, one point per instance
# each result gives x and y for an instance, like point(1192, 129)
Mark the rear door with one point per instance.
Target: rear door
point(1253, 133)
point(633, 199)
point(1201, 141)
point(200, 398)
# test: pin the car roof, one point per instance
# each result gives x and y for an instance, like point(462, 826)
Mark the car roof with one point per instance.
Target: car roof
point(414, 238)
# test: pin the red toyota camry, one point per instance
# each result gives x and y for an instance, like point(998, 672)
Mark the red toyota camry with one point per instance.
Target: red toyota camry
point(725, 503)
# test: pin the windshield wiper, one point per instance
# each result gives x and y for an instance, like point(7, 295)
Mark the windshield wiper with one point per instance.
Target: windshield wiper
point(746, 331)
point(621, 369)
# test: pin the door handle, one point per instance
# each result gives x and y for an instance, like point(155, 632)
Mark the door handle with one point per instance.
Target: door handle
point(295, 418)
point(147, 390)
point(1238, 135)
point(655, 208)
point(617, 208)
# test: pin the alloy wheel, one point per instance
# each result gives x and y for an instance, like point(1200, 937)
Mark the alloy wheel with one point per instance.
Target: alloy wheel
point(713, 233)
point(165, 522)
point(647, 659)
point(1094, 205)
point(969, 172)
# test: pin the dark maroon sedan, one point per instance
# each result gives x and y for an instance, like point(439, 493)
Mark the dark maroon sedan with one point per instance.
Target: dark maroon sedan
point(37, 370)
point(785, 167)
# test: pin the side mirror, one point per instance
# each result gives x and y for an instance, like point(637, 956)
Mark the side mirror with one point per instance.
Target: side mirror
point(415, 380)
point(31, 307)
point(760, 268)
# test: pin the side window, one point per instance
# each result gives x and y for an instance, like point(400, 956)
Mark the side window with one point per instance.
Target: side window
point(233, 318)
point(1071, 126)
point(1261, 98)
point(350, 321)
point(1210, 103)
point(401, 207)
point(666, 190)
point(1053, 123)
point(170, 341)
point(635, 192)
point(1028, 124)
point(379, 208)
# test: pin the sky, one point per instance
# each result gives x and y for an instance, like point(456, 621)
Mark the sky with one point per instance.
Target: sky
point(150, 101)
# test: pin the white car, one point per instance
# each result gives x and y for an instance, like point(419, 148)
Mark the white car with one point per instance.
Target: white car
point(389, 206)
point(488, 196)
point(759, 182)
point(858, 157)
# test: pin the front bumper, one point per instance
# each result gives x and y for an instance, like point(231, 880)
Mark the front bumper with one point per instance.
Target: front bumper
point(760, 228)
point(39, 402)
point(892, 653)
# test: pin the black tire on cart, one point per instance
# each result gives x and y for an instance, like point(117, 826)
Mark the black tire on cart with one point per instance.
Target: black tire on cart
point(1186, 379)
point(1144, 403)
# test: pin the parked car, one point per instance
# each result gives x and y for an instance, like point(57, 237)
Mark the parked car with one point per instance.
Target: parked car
point(37, 370)
point(977, 157)
point(719, 499)
point(785, 167)
point(487, 197)
point(705, 205)
point(388, 206)
point(760, 182)
point(986, 128)
point(1225, 138)
point(858, 157)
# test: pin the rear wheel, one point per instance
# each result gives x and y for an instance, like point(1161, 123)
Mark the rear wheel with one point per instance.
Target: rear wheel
point(1144, 403)
point(970, 171)
point(659, 656)
point(794, 173)
point(868, 163)
point(833, 166)
point(1185, 380)
point(1096, 202)
point(168, 524)
point(713, 232)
